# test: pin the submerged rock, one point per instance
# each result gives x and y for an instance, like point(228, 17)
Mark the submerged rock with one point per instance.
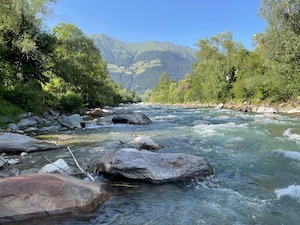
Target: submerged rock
point(154, 167)
point(145, 142)
point(30, 196)
point(72, 122)
point(137, 118)
point(12, 143)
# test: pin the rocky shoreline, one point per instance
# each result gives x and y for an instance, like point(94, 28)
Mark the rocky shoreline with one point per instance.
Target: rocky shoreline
point(292, 107)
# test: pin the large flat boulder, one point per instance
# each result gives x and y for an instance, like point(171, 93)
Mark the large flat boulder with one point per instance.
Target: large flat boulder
point(30, 196)
point(13, 143)
point(136, 118)
point(154, 167)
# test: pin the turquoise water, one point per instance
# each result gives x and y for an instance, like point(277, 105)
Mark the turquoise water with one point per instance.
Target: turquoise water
point(256, 158)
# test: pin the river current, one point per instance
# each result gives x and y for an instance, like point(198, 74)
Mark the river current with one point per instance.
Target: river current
point(256, 158)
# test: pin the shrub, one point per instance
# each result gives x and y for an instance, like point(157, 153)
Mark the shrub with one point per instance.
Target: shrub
point(70, 101)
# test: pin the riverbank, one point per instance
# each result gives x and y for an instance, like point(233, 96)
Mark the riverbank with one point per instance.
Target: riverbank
point(292, 107)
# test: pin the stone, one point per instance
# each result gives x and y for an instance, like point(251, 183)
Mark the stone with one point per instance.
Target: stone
point(13, 161)
point(72, 122)
point(2, 161)
point(136, 118)
point(59, 166)
point(27, 122)
point(154, 167)
point(6, 119)
point(24, 115)
point(51, 114)
point(145, 142)
point(40, 195)
point(17, 143)
point(13, 127)
point(24, 154)
point(97, 113)
point(52, 128)
point(220, 106)
point(264, 109)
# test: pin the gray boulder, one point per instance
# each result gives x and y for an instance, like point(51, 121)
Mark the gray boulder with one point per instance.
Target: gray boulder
point(27, 122)
point(13, 127)
point(154, 167)
point(39, 195)
point(51, 114)
point(137, 118)
point(72, 122)
point(12, 143)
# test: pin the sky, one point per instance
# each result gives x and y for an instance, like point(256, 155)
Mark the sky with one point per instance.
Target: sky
point(181, 22)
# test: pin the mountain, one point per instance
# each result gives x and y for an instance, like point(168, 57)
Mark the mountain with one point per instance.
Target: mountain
point(138, 66)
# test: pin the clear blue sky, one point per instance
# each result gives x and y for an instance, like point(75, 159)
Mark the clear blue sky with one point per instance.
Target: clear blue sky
point(181, 22)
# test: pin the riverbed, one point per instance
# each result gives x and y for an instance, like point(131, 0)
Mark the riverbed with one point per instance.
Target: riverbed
point(256, 158)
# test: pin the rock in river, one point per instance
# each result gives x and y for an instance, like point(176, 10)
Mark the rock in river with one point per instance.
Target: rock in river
point(29, 196)
point(145, 142)
point(71, 122)
point(137, 118)
point(59, 166)
point(12, 143)
point(154, 167)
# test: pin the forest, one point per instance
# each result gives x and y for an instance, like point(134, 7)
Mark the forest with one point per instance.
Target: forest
point(59, 68)
point(225, 71)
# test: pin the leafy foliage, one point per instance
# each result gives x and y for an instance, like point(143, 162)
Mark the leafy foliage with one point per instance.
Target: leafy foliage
point(226, 71)
point(38, 68)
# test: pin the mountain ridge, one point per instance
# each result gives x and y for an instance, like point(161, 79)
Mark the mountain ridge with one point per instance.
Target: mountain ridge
point(138, 66)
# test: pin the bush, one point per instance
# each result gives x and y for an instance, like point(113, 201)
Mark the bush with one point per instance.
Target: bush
point(28, 97)
point(70, 101)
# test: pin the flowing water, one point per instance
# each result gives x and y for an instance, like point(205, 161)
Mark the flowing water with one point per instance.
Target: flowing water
point(256, 158)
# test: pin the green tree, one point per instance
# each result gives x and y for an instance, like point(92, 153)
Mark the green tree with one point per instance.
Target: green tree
point(215, 71)
point(281, 43)
point(79, 64)
point(24, 51)
point(161, 90)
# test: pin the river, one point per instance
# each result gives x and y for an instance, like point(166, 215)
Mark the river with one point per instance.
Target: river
point(256, 158)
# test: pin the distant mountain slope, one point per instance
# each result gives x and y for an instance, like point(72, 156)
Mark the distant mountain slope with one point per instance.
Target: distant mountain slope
point(138, 66)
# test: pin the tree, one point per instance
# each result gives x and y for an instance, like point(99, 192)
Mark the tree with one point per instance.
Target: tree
point(215, 71)
point(79, 64)
point(24, 51)
point(161, 90)
point(22, 41)
point(281, 43)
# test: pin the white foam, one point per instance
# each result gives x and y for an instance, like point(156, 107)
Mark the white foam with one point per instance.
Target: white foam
point(288, 154)
point(289, 135)
point(292, 191)
point(208, 130)
point(164, 117)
